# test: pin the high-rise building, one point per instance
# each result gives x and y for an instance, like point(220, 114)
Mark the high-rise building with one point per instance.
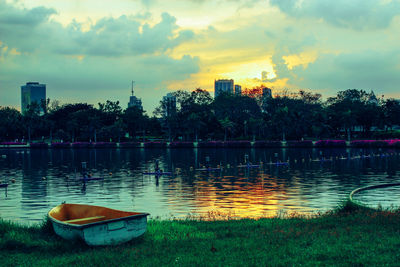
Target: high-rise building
point(223, 86)
point(134, 101)
point(33, 92)
point(266, 95)
point(238, 89)
point(170, 104)
point(266, 92)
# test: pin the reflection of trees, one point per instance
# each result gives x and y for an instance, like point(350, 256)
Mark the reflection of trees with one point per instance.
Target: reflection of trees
point(34, 167)
point(303, 185)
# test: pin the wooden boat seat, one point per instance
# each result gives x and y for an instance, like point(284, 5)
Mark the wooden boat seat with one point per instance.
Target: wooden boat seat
point(85, 219)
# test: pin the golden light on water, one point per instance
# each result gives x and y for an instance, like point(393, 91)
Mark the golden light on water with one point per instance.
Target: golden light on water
point(241, 197)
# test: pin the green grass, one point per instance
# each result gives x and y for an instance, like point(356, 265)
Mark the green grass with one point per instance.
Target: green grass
point(348, 236)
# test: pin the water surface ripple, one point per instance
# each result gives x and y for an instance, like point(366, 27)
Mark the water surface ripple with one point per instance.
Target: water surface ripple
point(45, 178)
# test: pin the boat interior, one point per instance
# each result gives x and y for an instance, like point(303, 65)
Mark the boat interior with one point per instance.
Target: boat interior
point(85, 214)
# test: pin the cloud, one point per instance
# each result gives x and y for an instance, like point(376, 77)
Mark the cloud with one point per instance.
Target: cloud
point(120, 36)
point(148, 3)
point(306, 44)
point(30, 17)
point(302, 59)
point(369, 70)
point(355, 14)
point(94, 64)
point(95, 79)
point(312, 54)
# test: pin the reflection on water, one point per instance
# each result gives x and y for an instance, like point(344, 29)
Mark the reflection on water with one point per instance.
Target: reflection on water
point(45, 178)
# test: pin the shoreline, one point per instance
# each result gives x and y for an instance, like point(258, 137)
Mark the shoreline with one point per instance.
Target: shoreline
point(210, 144)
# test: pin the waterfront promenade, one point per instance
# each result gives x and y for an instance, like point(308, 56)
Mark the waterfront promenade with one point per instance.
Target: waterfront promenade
point(393, 143)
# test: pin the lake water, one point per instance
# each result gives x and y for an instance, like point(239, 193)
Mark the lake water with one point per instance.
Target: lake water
point(45, 178)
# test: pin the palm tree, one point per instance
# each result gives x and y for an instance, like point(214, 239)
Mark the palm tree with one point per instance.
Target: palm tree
point(226, 124)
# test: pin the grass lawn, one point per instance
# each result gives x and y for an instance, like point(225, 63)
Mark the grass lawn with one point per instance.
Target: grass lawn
point(348, 236)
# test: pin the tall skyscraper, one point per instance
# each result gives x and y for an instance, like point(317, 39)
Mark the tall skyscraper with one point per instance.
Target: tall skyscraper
point(134, 101)
point(266, 92)
point(170, 102)
point(32, 92)
point(266, 95)
point(238, 89)
point(223, 86)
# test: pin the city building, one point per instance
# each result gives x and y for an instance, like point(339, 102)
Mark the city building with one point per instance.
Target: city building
point(170, 104)
point(266, 95)
point(266, 92)
point(33, 92)
point(223, 86)
point(238, 89)
point(134, 101)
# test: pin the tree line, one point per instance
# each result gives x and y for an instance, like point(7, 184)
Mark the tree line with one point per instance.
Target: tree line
point(197, 116)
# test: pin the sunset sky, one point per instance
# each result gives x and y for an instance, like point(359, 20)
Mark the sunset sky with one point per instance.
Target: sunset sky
point(89, 51)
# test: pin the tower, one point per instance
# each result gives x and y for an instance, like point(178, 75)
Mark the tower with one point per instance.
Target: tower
point(33, 92)
point(134, 101)
point(170, 104)
point(223, 85)
point(238, 89)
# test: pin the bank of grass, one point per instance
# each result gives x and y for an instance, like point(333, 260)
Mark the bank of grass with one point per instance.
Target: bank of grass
point(348, 236)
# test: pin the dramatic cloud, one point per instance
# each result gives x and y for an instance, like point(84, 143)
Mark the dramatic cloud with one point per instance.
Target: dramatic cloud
point(94, 64)
point(30, 17)
point(107, 37)
point(356, 14)
point(96, 79)
point(368, 70)
point(89, 52)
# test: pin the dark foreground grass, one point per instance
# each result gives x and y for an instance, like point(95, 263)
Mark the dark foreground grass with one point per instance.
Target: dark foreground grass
point(348, 236)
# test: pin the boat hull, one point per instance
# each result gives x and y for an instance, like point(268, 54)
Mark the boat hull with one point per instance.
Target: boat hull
point(115, 232)
point(100, 231)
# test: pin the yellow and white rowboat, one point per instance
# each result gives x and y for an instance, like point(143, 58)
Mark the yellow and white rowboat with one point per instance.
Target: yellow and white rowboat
point(97, 225)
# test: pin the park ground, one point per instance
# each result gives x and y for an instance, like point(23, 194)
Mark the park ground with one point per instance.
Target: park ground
point(347, 236)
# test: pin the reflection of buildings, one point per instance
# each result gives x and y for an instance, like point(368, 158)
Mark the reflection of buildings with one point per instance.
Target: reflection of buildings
point(170, 104)
point(134, 101)
point(32, 92)
point(221, 86)
point(238, 89)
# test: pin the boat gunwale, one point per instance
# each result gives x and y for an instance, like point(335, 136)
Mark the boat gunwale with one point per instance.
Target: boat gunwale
point(82, 226)
point(370, 187)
